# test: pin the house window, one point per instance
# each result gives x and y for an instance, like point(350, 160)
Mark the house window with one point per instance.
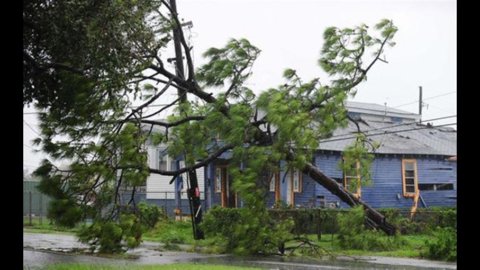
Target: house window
point(352, 179)
point(272, 182)
point(409, 177)
point(163, 161)
point(218, 180)
point(435, 187)
point(297, 181)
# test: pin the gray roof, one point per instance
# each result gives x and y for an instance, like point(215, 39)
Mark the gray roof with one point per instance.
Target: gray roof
point(407, 138)
point(395, 138)
point(379, 110)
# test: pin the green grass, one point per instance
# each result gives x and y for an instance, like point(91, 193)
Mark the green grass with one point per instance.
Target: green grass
point(171, 232)
point(411, 247)
point(175, 233)
point(145, 267)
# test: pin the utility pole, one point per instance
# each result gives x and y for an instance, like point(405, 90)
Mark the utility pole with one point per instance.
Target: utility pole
point(420, 104)
point(193, 191)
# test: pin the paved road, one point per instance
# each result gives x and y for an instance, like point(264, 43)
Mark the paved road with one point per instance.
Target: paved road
point(44, 249)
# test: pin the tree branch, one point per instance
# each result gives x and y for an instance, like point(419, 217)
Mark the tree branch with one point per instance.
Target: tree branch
point(186, 169)
point(173, 124)
point(155, 97)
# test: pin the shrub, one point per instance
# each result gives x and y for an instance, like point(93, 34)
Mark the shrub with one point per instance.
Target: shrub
point(150, 214)
point(424, 221)
point(354, 235)
point(309, 221)
point(219, 223)
point(239, 231)
point(444, 247)
point(111, 236)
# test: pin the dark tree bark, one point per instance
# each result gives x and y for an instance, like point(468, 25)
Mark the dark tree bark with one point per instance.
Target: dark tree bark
point(195, 205)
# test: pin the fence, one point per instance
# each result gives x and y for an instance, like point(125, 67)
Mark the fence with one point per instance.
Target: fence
point(35, 205)
point(166, 201)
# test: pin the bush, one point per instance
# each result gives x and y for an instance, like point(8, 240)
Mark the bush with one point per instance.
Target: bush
point(108, 236)
point(171, 232)
point(238, 230)
point(309, 221)
point(424, 221)
point(150, 214)
point(444, 247)
point(354, 235)
point(116, 235)
point(438, 217)
point(219, 223)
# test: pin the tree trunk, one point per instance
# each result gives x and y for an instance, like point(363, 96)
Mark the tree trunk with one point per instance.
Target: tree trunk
point(374, 218)
point(195, 205)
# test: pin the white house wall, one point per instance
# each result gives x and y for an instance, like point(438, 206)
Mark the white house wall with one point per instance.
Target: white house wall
point(158, 186)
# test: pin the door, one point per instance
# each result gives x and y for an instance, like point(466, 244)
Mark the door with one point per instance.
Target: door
point(277, 186)
point(228, 196)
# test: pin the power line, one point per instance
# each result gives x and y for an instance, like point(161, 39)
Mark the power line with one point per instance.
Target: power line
point(441, 95)
point(392, 126)
point(36, 132)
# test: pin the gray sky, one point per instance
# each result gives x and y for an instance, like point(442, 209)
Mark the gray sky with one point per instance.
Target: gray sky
point(289, 33)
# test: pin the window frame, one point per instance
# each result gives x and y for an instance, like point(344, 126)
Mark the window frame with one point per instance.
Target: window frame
point(347, 178)
point(273, 183)
point(404, 178)
point(299, 188)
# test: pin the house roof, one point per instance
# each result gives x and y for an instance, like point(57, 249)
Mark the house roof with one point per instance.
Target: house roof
point(379, 110)
point(407, 137)
point(403, 138)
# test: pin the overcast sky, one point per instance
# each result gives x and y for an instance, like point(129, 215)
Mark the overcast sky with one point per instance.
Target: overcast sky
point(289, 33)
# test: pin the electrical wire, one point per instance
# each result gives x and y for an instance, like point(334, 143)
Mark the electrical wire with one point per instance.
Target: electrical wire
point(441, 95)
point(36, 132)
point(392, 126)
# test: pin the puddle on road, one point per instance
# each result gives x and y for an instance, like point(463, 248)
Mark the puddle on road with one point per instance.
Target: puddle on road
point(306, 264)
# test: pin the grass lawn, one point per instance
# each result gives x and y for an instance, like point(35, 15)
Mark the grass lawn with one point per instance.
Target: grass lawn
point(411, 247)
point(175, 233)
point(146, 267)
point(171, 232)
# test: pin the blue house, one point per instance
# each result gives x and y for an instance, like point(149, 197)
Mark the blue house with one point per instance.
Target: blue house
point(415, 166)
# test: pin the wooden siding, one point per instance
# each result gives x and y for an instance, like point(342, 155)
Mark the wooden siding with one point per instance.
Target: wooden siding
point(437, 171)
point(158, 185)
point(306, 198)
point(386, 189)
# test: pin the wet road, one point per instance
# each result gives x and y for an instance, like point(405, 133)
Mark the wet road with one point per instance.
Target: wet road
point(44, 249)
